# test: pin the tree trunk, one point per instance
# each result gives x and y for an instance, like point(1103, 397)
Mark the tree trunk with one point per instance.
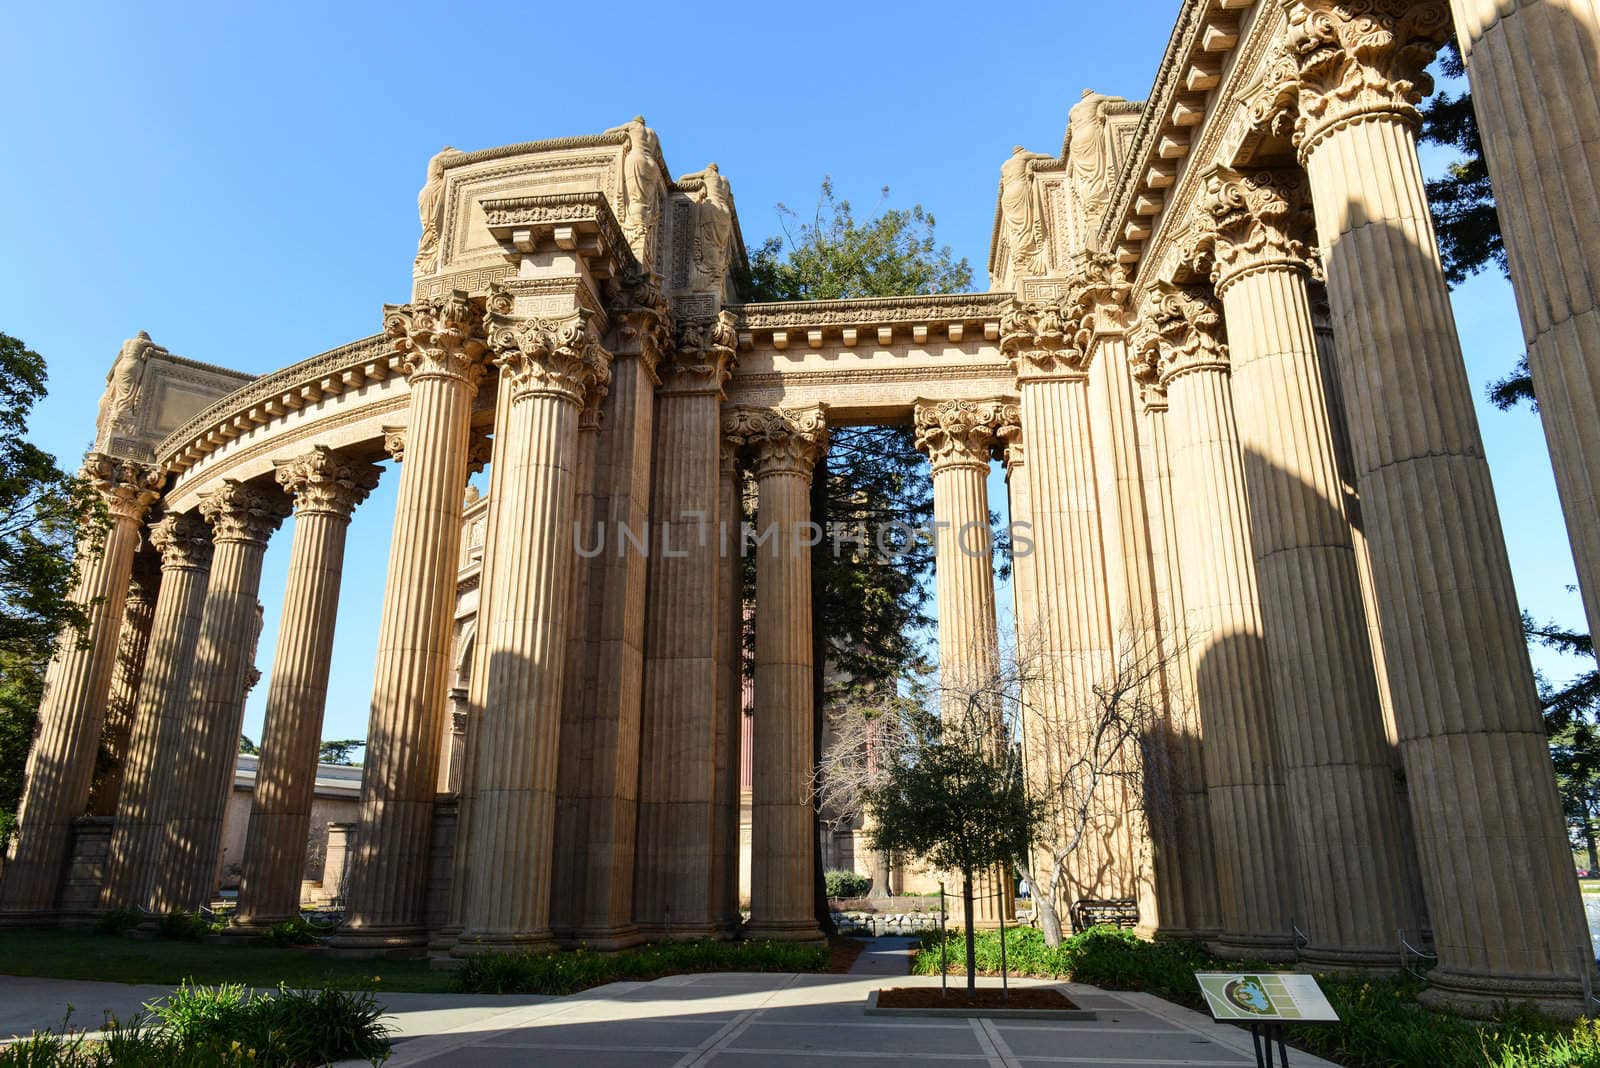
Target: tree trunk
point(1049, 919)
point(880, 875)
point(972, 947)
point(1588, 840)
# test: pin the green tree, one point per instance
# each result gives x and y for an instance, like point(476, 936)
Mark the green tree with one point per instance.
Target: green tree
point(872, 477)
point(340, 751)
point(48, 520)
point(1572, 719)
point(247, 746)
point(954, 794)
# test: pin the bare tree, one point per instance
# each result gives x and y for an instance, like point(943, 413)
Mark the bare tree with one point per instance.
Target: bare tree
point(1105, 768)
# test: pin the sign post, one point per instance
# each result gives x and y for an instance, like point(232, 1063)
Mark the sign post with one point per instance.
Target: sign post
point(1265, 1001)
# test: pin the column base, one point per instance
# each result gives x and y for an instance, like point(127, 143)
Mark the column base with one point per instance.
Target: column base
point(783, 931)
point(1483, 996)
point(394, 942)
point(1186, 934)
point(603, 939)
point(677, 932)
point(1358, 960)
point(486, 943)
point(30, 918)
point(1273, 949)
point(253, 928)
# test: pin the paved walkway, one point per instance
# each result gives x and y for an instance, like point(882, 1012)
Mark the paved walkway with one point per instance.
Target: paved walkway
point(726, 1021)
point(885, 956)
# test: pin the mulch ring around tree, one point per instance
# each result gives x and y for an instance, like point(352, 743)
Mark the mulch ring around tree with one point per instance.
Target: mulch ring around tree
point(1042, 1002)
point(842, 953)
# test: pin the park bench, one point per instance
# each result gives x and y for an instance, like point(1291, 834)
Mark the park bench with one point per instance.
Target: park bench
point(1090, 912)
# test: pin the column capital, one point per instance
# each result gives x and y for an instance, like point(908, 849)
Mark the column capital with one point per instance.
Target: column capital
point(1180, 331)
point(556, 357)
point(963, 433)
point(128, 487)
point(480, 448)
point(1357, 59)
point(781, 440)
point(322, 482)
point(184, 542)
point(704, 356)
point(438, 338)
point(1043, 339)
point(1012, 449)
point(644, 327)
point(1251, 220)
point(239, 512)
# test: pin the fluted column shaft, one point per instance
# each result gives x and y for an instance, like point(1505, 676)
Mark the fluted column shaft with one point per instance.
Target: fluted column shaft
point(673, 879)
point(441, 352)
point(60, 768)
point(1244, 783)
point(326, 489)
point(785, 445)
point(1533, 64)
point(599, 777)
point(242, 519)
point(1506, 915)
point(730, 700)
point(958, 437)
point(133, 645)
point(516, 741)
point(1354, 871)
point(567, 897)
point(1196, 909)
point(154, 747)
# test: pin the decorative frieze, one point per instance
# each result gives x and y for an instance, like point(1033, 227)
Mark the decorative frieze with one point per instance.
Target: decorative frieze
point(323, 482)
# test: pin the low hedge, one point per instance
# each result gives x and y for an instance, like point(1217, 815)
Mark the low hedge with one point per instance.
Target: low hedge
point(846, 884)
point(566, 972)
point(1381, 1022)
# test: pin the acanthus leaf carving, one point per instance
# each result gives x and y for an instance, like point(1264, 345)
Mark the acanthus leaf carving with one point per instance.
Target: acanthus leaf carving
point(183, 540)
point(546, 356)
point(1251, 219)
point(704, 354)
point(324, 482)
point(778, 440)
point(1180, 331)
point(964, 433)
point(127, 487)
point(240, 512)
point(441, 337)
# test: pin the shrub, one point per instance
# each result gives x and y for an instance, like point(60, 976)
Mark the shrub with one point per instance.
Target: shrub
point(566, 972)
point(119, 920)
point(846, 884)
point(295, 932)
point(186, 926)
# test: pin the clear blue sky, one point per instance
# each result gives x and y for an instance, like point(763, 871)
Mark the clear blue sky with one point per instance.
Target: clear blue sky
point(241, 180)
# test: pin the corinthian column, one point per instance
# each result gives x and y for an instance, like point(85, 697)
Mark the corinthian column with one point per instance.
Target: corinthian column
point(677, 776)
point(1072, 645)
point(1337, 761)
point(599, 778)
point(785, 445)
point(958, 437)
point(548, 364)
point(326, 489)
point(133, 645)
point(149, 774)
point(60, 767)
point(1489, 826)
point(441, 347)
point(730, 696)
point(242, 519)
point(1533, 66)
point(1244, 783)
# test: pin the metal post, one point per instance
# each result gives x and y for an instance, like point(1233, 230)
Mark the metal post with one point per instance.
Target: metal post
point(944, 942)
point(1000, 910)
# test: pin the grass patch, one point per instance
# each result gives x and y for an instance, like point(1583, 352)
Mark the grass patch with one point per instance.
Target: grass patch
point(565, 973)
point(67, 954)
point(1381, 1023)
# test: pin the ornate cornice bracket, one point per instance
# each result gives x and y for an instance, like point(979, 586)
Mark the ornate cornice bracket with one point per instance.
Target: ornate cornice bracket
point(580, 223)
point(1359, 58)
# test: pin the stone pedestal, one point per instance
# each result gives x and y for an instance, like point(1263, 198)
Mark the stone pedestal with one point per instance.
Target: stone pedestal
point(326, 488)
point(674, 872)
point(60, 767)
point(184, 542)
point(1338, 764)
point(1244, 784)
point(242, 519)
point(784, 445)
point(959, 437)
point(441, 345)
point(1507, 919)
point(549, 365)
point(1533, 65)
